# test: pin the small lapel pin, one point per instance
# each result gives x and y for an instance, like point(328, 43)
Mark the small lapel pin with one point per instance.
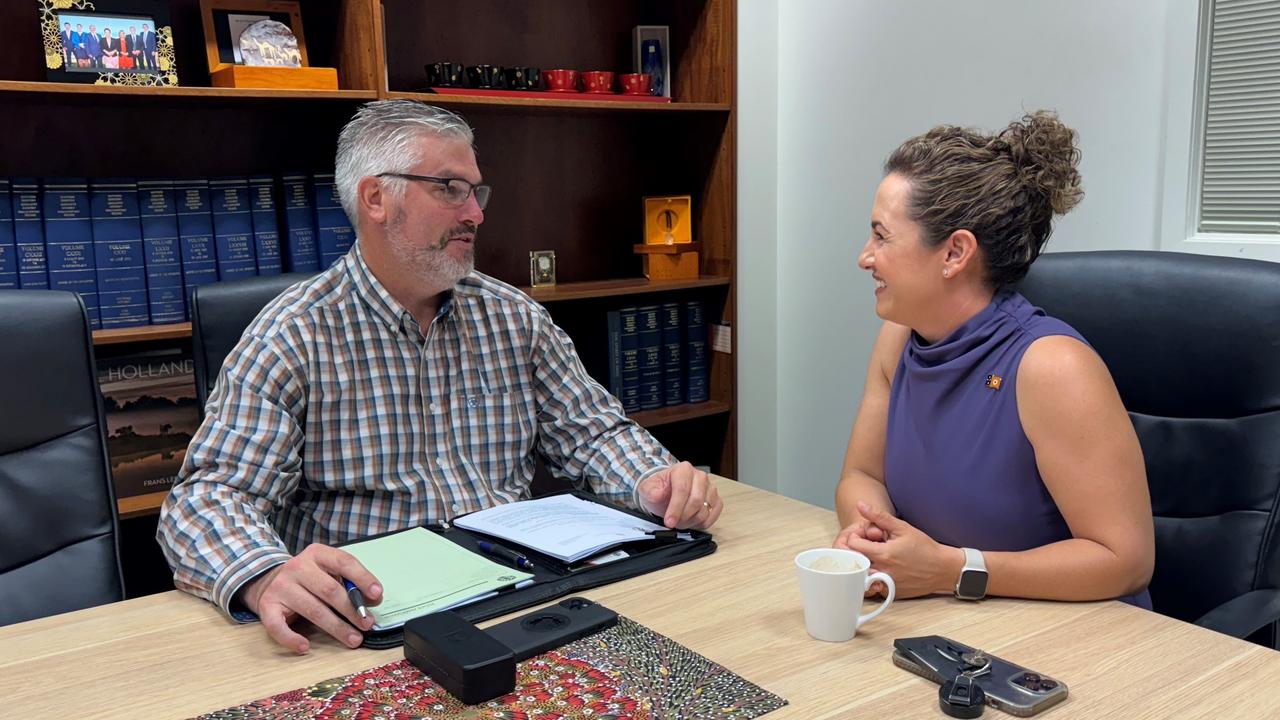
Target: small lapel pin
point(994, 382)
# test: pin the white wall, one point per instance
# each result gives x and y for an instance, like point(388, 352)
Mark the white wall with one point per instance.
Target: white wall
point(855, 78)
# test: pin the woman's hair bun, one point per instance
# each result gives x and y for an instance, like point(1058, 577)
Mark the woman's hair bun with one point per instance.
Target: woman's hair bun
point(1045, 152)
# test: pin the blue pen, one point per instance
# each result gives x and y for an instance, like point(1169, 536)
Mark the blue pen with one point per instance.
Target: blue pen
point(356, 597)
point(510, 556)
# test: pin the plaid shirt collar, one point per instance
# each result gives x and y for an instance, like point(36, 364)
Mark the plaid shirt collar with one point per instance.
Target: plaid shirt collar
point(379, 299)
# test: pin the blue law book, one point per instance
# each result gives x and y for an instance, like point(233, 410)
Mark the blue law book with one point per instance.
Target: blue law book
point(614, 319)
point(117, 244)
point(334, 234)
point(266, 234)
point(195, 236)
point(629, 342)
point(300, 252)
point(68, 241)
point(28, 234)
point(696, 361)
point(8, 251)
point(232, 228)
point(650, 332)
point(161, 251)
point(672, 354)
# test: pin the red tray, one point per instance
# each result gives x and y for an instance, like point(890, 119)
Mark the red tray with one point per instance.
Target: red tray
point(548, 95)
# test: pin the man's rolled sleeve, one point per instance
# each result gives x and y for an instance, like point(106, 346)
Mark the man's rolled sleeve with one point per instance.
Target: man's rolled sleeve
point(584, 431)
point(214, 526)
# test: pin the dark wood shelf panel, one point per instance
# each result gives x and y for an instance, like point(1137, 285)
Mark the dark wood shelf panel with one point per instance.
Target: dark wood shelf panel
point(175, 331)
point(69, 89)
point(678, 413)
point(140, 505)
point(554, 103)
point(613, 288)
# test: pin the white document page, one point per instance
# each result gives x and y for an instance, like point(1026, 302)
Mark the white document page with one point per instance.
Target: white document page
point(562, 526)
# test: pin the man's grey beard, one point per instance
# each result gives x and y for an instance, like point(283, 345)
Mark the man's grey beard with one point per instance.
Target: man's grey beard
point(432, 263)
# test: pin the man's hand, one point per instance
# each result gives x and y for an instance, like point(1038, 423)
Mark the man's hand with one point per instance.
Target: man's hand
point(308, 585)
point(918, 564)
point(682, 496)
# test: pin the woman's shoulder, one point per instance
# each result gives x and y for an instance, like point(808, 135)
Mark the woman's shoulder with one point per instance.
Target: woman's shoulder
point(887, 351)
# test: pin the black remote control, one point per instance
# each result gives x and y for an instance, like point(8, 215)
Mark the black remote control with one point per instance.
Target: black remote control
point(552, 626)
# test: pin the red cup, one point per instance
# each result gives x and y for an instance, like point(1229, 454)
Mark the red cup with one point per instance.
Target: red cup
point(597, 81)
point(636, 83)
point(561, 80)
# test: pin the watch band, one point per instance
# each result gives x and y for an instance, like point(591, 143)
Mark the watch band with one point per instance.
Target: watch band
point(975, 573)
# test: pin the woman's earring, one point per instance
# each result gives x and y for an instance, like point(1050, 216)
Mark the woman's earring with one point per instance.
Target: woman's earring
point(946, 272)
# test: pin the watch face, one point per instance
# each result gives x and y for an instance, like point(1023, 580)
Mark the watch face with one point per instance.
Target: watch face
point(973, 584)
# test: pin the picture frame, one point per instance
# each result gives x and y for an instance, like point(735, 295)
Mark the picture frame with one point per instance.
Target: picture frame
point(134, 46)
point(224, 20)
point(648, 40)
point(542, 268)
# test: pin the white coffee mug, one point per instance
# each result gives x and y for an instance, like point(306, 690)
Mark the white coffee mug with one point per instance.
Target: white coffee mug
point(833, 583)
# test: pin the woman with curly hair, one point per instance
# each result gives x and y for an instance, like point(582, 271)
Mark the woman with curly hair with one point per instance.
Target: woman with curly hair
point(991, 454)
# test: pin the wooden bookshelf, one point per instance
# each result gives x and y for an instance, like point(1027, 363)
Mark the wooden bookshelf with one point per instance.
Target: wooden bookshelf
point(614, 288)
point(554, 103)
point(140, 505)
point(146, 333)
point(568, 173)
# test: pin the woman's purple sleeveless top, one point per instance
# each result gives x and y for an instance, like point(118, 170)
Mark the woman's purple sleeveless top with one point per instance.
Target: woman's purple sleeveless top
point(957, 463)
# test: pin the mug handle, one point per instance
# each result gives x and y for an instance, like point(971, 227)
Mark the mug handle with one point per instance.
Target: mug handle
point(888, 582)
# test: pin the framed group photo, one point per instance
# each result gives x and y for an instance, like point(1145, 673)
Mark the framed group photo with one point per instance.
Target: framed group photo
point(108, 42)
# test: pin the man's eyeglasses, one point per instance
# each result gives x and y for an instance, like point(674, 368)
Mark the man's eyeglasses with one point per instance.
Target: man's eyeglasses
point(453, 191)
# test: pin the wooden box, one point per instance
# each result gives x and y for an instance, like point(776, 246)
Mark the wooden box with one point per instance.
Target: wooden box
point(280, 78)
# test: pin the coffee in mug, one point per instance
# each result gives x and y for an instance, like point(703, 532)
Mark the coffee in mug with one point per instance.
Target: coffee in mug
point(832, 584)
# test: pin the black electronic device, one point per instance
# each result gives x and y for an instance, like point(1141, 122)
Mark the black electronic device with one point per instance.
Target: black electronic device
point(1006, 686)
point(553, 626)
point(462, 658)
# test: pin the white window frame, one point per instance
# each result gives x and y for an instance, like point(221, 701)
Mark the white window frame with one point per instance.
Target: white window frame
point(1186, 81)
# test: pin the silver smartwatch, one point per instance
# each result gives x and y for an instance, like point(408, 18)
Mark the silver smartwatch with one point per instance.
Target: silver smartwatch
point(972, 584)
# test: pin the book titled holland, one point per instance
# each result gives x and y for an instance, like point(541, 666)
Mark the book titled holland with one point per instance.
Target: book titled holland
point(8, 251)
point(150, 403)
point(68, 241)
point(117, 244)
point(159, 214)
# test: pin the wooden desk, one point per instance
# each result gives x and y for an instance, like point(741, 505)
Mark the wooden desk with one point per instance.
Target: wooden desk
point(171, 655)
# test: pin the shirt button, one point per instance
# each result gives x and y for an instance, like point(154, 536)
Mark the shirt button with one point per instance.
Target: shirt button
point(456, 508)
point(434, 407)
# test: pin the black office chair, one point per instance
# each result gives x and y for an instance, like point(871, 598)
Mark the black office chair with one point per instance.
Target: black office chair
point(58, 533)
point(1193, 343)
point(220, 312)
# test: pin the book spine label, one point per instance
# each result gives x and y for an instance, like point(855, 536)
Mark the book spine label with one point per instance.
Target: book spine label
point(117, 244)
point(615, 353)
point(68, 241)
point(266, 234)
point(28, 232)
point(651, 396)
point(697, 363)
point(673, 373)
point(301, 254)
point(195, 237)
point(8, 250)
point(163, 256)
point(334, 235)
point(629, 319)
point(232, 228)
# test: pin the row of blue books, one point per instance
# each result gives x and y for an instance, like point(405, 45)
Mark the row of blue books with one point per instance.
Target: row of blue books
point(658, 355)
point(135, 249)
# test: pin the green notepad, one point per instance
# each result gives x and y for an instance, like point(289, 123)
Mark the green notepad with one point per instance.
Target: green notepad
point(422, 573)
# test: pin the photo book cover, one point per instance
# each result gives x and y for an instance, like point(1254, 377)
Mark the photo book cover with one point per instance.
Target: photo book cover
point(150, 402)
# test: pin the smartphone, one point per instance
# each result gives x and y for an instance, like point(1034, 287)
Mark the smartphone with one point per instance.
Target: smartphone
point(1009, 687)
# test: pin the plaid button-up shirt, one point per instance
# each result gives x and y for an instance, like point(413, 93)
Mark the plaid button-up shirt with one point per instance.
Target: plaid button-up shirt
point(336, 417)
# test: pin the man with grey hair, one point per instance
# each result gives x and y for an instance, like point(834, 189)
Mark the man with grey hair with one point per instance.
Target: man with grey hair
point(395, 389)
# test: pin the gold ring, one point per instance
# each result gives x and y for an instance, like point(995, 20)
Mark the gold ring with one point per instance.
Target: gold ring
point(706, 504)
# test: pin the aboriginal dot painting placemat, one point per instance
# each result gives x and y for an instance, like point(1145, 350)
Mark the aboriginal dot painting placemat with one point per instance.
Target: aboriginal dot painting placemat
point(623, 673)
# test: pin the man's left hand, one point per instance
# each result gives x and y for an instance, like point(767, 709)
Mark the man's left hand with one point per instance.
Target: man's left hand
point(682, 496)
